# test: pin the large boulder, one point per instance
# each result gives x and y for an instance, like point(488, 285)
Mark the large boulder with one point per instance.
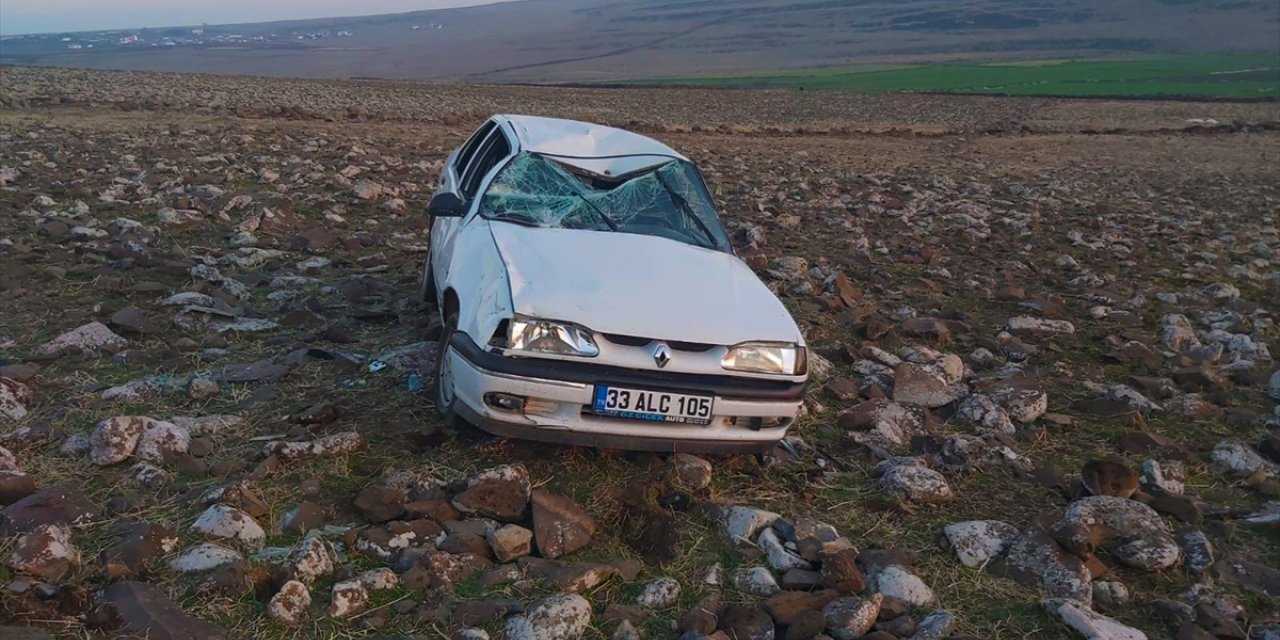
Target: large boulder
point(1130, 531)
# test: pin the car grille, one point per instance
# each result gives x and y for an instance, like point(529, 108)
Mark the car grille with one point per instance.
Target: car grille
point(634, 341)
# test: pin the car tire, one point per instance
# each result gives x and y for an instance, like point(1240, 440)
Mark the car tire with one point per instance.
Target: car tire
point(442, 391)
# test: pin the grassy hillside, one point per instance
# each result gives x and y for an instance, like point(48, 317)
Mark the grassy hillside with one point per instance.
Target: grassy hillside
point(1209, 75)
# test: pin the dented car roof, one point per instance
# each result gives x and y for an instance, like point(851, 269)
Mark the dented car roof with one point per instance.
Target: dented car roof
point(594, 147)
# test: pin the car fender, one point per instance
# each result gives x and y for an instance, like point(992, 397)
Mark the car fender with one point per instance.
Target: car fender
point(478, 276)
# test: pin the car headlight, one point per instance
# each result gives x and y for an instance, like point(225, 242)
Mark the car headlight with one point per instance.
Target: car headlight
point(546, 336)
point(766, 357)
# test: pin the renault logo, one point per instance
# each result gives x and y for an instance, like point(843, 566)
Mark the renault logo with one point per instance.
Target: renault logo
point(661, 355)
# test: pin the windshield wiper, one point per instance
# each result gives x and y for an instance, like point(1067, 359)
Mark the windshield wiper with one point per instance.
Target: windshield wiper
point(684, 207)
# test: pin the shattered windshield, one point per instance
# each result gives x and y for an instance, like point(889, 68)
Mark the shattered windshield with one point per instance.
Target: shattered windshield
point(668, 200)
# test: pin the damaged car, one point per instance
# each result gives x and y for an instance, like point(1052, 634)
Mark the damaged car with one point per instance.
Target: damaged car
point(589, 295)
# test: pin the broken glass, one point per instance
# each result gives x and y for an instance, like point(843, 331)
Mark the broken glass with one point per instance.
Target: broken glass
point(668, 200)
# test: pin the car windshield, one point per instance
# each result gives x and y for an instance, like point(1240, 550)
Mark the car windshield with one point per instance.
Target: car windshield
point(668, 200)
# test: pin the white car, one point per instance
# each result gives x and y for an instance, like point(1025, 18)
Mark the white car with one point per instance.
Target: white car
point(589, 295)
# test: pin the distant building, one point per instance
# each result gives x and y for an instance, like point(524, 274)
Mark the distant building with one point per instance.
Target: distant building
point(74, 45)
point(199, 31)
point(344, 34)
point(129, 39)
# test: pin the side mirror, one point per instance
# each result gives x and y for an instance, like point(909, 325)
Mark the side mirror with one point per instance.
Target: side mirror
point(447, 205)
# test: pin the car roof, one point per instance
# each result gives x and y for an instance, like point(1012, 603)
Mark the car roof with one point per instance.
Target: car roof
point(583, 140)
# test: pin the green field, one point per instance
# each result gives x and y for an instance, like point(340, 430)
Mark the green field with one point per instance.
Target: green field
point(1211, 76)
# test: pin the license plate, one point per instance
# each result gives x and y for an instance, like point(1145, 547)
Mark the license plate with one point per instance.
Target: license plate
point(652, 406)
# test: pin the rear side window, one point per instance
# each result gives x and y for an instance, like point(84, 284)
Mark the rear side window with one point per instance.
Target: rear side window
point(470, 146)
point(494, 149)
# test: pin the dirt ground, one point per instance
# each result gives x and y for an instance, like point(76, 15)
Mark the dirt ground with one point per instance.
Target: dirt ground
point(948, 217)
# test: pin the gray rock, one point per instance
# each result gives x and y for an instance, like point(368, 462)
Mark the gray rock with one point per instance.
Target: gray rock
point(1131, 531)
point(743, 523)
point(851, 618)
point(916, 484)
point(510, 542)
point(691, 471)
point(558, 617)
point(978, 541)
point(779, 557)
point(14, 398)
point(222, 521)
point(756, 581)
point(916, 385)
point(203, 557)
point(1163, 478)
point(1036, 557)
point(661, 593)
point(94, 337)
point(115, 439)
point(1240, 460)
point(896, 581)
point(1197, 550)
point(1110, 594)
point(935, 626)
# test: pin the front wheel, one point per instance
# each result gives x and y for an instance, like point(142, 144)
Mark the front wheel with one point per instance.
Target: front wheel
point(442, 384)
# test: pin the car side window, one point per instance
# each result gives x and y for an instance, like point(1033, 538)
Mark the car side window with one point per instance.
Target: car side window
point(491, 153)
point(471, 145)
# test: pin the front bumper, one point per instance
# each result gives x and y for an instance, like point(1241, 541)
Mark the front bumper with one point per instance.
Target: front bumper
point(560, 395)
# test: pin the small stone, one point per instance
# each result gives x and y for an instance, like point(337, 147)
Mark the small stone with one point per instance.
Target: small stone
point(302, 518)
point(704, 617)
point(779, 557)
point(380, 504)
point(740, 622)
point(1109, 478)
point(1110, 594)
point(935, 626)
point(204, 557)
point(743, 523)
point(560, 526)
point(896, 582)
point(978, 541)
point(661, 593)
point(310, 559)
point(691, 471)
point(558, 617)
point(46, 552)
point(916, 484)
point(115, 439)
point(222, 521)
point(756, 581)
point(851, 618)
point(94, 337)
point(202, 389)
point(510, 542)
point(289, 604)
point(915, 385)
point(349, 597)
point(1087, 623)
point(840, 572)
point(501, 493)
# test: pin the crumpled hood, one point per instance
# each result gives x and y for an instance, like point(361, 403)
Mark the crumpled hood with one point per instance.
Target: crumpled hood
point(638, 285)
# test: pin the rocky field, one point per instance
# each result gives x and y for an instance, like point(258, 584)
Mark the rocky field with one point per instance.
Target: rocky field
point(1044, 405)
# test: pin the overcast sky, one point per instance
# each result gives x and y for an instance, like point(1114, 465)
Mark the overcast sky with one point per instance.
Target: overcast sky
point(44, 16)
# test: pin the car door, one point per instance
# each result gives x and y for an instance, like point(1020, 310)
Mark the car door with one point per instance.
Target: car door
point(451, 177)
point(491, 152)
